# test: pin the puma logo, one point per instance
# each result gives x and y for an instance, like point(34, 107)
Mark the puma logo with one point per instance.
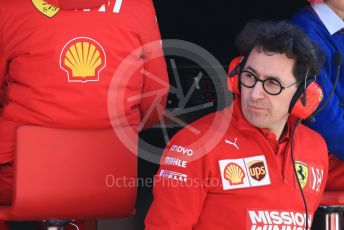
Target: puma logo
point(232, 143)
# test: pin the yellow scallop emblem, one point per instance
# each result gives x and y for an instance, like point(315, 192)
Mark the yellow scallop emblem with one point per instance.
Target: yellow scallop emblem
point(83, 59)
point(234, 174)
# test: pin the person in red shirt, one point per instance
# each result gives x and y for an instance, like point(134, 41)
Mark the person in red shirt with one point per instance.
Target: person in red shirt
point(57, 62)
point(267, 170)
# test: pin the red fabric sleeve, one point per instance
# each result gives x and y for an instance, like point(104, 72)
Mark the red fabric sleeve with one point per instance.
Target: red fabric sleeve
point(3, 63)
point(179, 191)
point(155, 84)
point(325, 163)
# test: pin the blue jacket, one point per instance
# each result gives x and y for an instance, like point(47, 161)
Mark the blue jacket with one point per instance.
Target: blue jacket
point(330, 121)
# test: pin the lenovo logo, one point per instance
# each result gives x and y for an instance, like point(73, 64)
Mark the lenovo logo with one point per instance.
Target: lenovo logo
point(182, 150)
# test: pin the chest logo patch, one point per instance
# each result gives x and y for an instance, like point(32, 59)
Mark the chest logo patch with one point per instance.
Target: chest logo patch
point(234, 143)
point(83, 59)
point(257, 170)
point(302, 173)
point(45, 8)
point(234, 174)
point(244, 172)
point(310, 176)
point(317, 178)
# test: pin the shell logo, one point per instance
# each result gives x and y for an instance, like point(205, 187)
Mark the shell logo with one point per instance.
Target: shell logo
point(234, 174)
point(83, 59)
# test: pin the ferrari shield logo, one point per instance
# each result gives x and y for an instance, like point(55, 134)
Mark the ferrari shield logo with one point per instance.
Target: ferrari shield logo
point(45, 8)
point(302, 173)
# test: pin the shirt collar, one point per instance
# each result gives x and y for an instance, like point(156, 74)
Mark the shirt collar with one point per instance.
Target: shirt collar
point(329, 18)
point(271, 136)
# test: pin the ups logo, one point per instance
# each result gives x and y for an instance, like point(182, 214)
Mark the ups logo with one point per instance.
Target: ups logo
point(257, 170)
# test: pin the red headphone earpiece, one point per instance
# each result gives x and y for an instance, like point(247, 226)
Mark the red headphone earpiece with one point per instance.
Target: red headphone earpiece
point(304, 102)
point(314, 96)
point(233, 74)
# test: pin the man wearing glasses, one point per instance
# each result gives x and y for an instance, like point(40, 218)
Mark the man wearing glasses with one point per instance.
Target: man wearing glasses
point(268, 171)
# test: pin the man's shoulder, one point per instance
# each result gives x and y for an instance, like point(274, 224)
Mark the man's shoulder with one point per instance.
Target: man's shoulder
point(311, 138)
point(308, 132)
point(213, 122)
point(205, 133)
point(311, 149)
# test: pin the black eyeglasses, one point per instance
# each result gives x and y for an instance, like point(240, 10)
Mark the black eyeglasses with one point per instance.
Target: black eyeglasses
point(270, 85)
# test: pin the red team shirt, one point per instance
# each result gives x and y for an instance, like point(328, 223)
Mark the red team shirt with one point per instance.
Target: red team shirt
point(242, 183)
point(56, 65)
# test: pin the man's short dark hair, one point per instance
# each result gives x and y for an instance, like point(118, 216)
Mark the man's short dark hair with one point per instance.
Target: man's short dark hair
point(282, 37)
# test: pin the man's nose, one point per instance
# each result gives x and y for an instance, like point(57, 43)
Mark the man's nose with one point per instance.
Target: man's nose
point(257, 92)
